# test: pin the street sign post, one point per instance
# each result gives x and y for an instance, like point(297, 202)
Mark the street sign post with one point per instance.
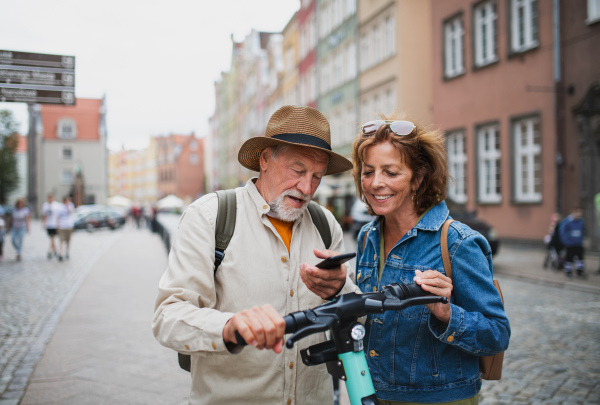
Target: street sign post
point(27, 77)
point(36, 78)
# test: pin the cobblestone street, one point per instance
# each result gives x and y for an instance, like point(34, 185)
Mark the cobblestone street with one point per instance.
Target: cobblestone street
point(33, 295)
point(553, 356)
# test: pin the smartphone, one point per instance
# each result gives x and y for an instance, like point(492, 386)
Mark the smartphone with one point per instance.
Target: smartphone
point(335, 261)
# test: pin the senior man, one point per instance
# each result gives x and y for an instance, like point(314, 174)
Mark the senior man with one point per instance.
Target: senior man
point(268, 271)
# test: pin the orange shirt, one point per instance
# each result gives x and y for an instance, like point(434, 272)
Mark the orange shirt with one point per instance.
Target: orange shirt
point(284, 229)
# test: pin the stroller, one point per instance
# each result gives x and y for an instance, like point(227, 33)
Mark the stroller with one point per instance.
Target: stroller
point(555, 250)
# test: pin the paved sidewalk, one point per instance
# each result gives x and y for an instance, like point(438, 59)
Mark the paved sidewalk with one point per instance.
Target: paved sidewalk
point(526, 263)
point(103, 350)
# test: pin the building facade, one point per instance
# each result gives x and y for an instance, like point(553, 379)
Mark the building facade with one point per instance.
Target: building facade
point(245, 97)
point(502, 72)
point(71, 143)
point(338, 93)
point(180, 166)
point(578, 110)
point(513, 84)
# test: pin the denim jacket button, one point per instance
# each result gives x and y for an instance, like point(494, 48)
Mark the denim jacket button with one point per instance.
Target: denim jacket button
point(373, 353)
point(374, 289)
point(450, 338)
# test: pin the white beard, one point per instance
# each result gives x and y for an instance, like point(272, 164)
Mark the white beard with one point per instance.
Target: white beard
point(284, 212)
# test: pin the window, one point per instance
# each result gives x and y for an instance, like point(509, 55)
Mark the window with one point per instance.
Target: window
point(66, 129)
point(350, 7)
point(484, 26)
point(364, 52)
point(351, 131)
point(350, 63)
point(193, 159)
point(66, 153)
point(376, 105)
point(527, 160)
point(390, 36)
point(488, 156)
point(390, 100)
point(66, 176)
point(337, 70)
point(524, 25)
point(457, 166)
point(365, 112)
point(376, 44)
point(453, 47)
point(593, 11)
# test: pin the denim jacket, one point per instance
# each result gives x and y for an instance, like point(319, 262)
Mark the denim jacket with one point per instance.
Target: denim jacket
point(412, 356)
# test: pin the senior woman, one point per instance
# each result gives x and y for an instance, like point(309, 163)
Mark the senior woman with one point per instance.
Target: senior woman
point(428, 353)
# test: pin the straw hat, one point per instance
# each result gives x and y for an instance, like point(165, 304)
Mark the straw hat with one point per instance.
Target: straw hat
point(297, 126)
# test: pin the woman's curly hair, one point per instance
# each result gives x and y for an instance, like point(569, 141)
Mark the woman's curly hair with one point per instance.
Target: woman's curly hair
point(423, 151)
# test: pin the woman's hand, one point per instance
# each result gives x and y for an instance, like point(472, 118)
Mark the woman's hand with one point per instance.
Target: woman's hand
point(437, 284)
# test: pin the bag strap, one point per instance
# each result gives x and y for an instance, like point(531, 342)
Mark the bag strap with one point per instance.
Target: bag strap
point(320, 221)
point(444, 248)
point(226, 216)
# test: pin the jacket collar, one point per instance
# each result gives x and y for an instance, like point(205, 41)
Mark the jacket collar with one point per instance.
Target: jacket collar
point(435, 218)
point(262, 207)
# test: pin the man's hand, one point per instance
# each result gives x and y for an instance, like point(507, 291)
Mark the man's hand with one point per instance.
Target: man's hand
point(261, 327)
point(324, 283)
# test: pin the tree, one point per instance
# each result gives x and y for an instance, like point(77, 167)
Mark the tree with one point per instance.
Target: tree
point(9, 140)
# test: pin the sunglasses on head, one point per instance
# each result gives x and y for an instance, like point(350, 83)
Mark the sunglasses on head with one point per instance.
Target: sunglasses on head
point(400, 128)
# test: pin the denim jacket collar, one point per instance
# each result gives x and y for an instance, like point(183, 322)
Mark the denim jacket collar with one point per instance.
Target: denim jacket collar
point(435, 218)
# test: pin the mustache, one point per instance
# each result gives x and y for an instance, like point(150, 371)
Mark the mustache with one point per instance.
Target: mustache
point(296, 194)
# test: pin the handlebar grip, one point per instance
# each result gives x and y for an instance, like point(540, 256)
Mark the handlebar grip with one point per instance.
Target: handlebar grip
point(240, 340)
point(406, 291)
point(296, 321)
point(290, 324)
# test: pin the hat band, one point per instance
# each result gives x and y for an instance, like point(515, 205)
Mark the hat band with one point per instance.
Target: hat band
point(303, 139)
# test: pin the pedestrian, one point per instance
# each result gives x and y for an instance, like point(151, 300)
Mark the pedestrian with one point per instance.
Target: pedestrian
point(65, 227)
point(50, 210)
point(154, 218)
point(597, 205)
point(554, 248)
point(20, 225)
point(136, 213)
point(571, 231)
point(199, 310)
point(424, 354)
point(2, 230)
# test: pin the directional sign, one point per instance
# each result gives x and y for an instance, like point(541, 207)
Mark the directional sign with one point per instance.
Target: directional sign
point(66, 96)
point(37, 78)
point(34, 76)
point(37, 59)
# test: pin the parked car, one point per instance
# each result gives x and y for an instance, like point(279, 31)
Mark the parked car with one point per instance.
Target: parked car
point(95, 217)
point(359, 217)
point(469, 218)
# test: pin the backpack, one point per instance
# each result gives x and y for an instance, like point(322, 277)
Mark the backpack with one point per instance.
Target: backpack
point(226, 216)
point(490, 367)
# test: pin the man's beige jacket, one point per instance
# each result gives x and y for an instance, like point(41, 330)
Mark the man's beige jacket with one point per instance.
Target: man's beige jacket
point(194, 304)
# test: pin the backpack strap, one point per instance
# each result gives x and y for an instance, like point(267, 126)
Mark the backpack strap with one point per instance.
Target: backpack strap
point(444, 248)
point(226, 216)
point(320, 221)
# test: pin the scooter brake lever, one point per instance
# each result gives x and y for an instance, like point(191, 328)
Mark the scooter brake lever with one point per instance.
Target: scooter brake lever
point(306, 331)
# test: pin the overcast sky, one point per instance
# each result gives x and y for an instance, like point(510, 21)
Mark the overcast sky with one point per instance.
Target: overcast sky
point(156, 61)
